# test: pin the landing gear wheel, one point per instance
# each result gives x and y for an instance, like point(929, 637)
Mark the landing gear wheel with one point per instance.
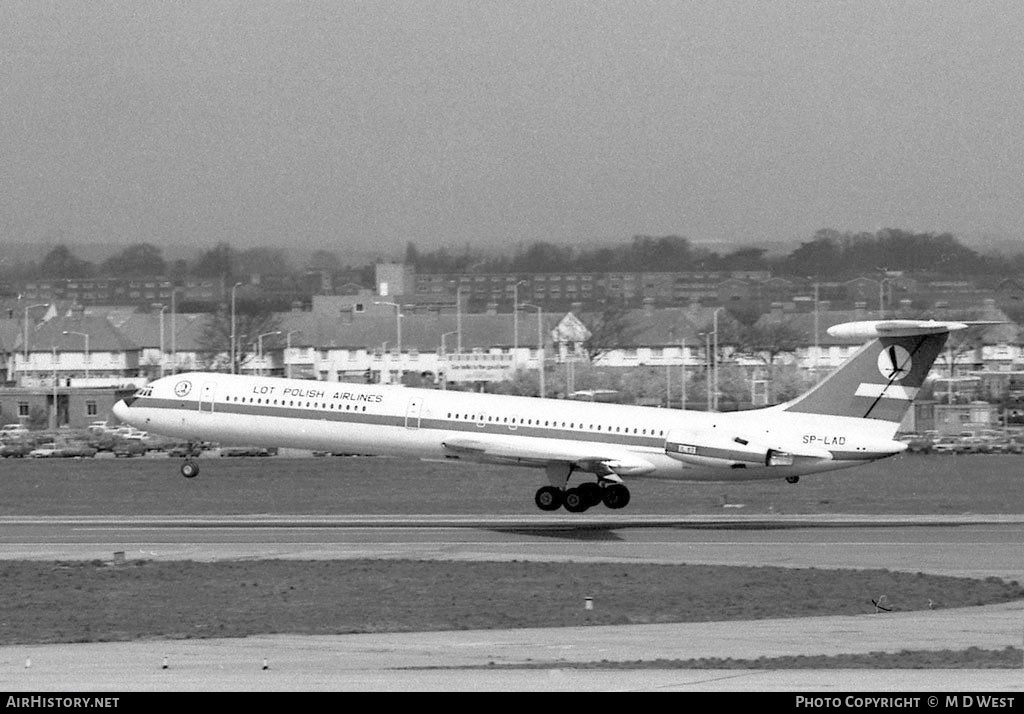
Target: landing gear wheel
point(591, 493)
point(792, 479)
point(548, 498)
point(189, 469)
point(575, 501)
point(615, 496)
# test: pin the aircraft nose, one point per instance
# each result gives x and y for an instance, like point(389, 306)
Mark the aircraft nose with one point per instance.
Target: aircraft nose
point(120, 409)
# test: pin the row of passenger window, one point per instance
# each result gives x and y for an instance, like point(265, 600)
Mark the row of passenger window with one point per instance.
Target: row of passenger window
point(516, 421)
point(292, 403)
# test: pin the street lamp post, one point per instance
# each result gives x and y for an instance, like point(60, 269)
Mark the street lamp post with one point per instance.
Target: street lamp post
point(233, 348)
point(72, 332)
point(174, 350)
point(817, 341)
point(398, 321)
point(707, 366)
point(53, 420)
point(715, 333)
point(259, 348)
point(162, 308)
point(444, 359)
point(682, 373)
point(458, 319)
point(288, 349)
point(881, 296)
point(25, 337)
point(398, 329)
point(515, 322)
point(540, 343)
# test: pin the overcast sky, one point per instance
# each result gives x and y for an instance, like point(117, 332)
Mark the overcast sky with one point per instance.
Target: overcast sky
point(366, 125)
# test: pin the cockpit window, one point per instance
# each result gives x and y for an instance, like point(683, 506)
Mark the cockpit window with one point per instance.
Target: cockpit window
point(144, 392)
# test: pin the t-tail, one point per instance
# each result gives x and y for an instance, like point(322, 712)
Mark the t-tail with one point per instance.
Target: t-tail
point(884, 376)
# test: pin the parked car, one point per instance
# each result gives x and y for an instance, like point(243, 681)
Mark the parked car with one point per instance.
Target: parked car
point(916, 443)
point(1006, 445)
point(947, 445)
point(99, 427)
point(124, 448)
point(44, 451)
point(248, 451)
point(974, 445)
point(15, 450)
point(181, 451)
point(12, 431)
point(79, 451)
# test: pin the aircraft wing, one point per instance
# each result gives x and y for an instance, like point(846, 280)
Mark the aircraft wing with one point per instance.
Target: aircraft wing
point(588, 457)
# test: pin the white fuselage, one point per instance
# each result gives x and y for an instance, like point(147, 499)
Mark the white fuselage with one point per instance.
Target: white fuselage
point(435, 424)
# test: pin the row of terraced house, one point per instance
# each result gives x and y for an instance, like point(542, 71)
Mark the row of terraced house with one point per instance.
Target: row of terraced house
point(554, 290)
point(73, 361)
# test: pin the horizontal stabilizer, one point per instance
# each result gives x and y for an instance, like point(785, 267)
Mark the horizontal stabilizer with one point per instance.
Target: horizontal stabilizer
point(870, 329)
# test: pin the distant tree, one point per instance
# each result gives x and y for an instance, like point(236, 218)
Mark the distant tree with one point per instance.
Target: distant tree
point(543, 257)
point(178, 270)
point(412, 255)
point(139, 260)
point(767, 340)
point(251, 321)
point(746, 259)
point(771, 338)
point(818, 257)
point(609, 328)
point(659, 254)
point(62, 263)
point(218, 262)
point(441, 261)
point(38, 418)
point(261, 261)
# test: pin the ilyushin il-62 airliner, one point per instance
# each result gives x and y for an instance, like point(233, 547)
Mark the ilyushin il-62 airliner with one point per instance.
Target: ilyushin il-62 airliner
point(849, 418)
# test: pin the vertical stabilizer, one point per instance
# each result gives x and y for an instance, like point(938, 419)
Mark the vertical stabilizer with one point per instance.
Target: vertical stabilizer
point(881, 380)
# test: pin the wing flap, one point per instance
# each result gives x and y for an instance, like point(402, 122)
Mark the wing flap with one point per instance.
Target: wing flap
point(542, 451)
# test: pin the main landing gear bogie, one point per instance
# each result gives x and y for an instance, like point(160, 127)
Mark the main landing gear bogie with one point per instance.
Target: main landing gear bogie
point(582, 497)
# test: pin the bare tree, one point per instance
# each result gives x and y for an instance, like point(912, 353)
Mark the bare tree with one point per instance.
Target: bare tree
point(767, 340)
point(251, 321)
point(610, 328)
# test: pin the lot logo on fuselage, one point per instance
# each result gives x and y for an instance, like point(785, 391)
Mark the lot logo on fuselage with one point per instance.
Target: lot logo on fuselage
point(894, 363)
point(182, 388)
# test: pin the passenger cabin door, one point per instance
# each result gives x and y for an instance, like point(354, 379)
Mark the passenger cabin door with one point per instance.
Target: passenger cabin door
point(207, 396)
point(412, 413)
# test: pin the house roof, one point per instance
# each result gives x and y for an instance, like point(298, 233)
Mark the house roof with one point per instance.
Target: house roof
point(421, 332)
point(103, 335)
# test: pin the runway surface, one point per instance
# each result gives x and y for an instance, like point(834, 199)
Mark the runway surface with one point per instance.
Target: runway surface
point(975, 546)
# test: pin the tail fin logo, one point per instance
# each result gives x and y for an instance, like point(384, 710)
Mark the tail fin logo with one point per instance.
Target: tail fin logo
point(894, 363)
